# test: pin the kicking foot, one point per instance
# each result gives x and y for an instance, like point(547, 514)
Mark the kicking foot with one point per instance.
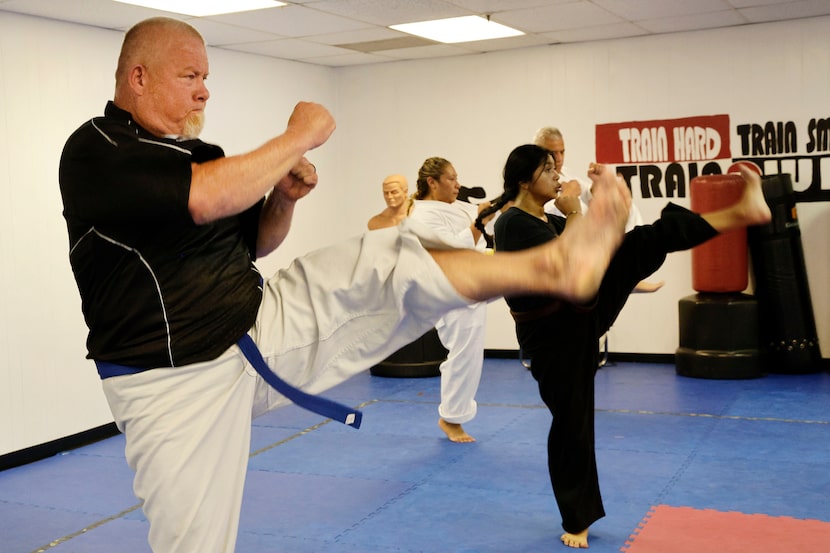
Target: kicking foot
point(750, 209)
point(577, 541)
point(614, 196)
point(455, 432)
point(752, 205)
point(581, 255)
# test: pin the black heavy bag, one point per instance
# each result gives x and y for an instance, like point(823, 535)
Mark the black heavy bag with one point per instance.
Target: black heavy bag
point(787, 324)
point(421, 358)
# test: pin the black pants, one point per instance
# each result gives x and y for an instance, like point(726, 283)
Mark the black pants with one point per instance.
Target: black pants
point(564, 352)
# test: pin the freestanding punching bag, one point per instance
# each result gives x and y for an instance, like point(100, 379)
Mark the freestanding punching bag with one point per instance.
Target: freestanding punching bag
point(421, 358)
point(788, 327)
point(719, 265)
point(719, 325)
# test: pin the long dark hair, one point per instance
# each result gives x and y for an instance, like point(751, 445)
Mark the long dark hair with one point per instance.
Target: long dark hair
point(520, 167)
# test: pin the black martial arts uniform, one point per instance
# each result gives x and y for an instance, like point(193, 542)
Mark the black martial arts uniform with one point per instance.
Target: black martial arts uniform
point(561, 339)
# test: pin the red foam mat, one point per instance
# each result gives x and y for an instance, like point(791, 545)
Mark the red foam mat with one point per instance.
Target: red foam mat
point(686, 530)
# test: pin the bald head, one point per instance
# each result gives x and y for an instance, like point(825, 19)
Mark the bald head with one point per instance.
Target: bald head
point(161, 76)
point(149, 41)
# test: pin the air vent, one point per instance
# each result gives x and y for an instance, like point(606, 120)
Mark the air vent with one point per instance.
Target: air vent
point(388, 44)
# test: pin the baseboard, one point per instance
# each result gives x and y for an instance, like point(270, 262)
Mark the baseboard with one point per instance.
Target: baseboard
point(48, 449)
point(501, 354)
point(659, 358)
point(612, 357)
point(620, 357)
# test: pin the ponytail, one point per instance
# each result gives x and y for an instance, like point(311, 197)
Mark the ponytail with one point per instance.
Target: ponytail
point(520, 167)
point(495, 205)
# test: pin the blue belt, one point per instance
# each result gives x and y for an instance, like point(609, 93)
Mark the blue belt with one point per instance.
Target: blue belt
point(320, 405)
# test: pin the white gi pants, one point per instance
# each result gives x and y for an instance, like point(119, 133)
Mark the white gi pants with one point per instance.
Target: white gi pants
point(332, 314)
point(462, 332)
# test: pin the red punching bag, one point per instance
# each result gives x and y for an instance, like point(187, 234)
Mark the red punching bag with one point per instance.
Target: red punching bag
point(719, 265)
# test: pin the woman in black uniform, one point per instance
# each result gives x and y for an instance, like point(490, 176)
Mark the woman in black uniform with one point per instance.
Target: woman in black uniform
point(561, 338)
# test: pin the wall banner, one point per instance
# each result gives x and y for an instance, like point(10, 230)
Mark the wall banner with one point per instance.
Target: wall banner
point(662, 156)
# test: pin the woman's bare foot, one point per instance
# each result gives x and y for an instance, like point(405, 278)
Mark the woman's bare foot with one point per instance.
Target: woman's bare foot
point(455, 432)
point(752, 205)
point(750, 209)
point(577, 541)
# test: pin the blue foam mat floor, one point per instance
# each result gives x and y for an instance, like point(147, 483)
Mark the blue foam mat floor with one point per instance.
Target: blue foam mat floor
point(398, 485)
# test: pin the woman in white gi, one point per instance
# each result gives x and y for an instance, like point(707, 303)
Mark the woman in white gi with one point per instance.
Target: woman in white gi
point(461, 330)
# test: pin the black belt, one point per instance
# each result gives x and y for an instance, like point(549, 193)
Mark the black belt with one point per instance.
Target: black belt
point(538, 313)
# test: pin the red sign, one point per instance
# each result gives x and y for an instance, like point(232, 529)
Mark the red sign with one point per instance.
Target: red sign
point(664, 141)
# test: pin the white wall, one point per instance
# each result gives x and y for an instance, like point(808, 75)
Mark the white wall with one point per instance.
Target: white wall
point(53, 77)
point(472, 110)
point(49, 76)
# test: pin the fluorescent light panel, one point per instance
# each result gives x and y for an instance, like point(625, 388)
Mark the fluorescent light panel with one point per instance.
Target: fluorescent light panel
point(202, 8)
point(458, 29)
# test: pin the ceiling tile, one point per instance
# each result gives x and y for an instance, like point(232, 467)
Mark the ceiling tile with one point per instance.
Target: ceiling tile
point(292, 21)
point(790, 10)
point(432, 51)
point(709, 20)
point(482, 7)
point(219, 34)
point(98, 13)
point(636, 10)
point(554, 18)
point(390, 12)
point(288, 48)
point(600, 32)
point(323, 24)
point(389, 44)
point(523, 41)
point(749, 3)
point(354, 58)
point(362, 35)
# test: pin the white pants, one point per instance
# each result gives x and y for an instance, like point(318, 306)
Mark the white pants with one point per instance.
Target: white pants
point(330, 315)
point(462, 333)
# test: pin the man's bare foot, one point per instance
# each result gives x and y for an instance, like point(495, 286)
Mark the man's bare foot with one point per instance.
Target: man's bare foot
point(455, 432)
point(585, 248)
point(752, 205)
point(577, 541)
point(571, 267)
